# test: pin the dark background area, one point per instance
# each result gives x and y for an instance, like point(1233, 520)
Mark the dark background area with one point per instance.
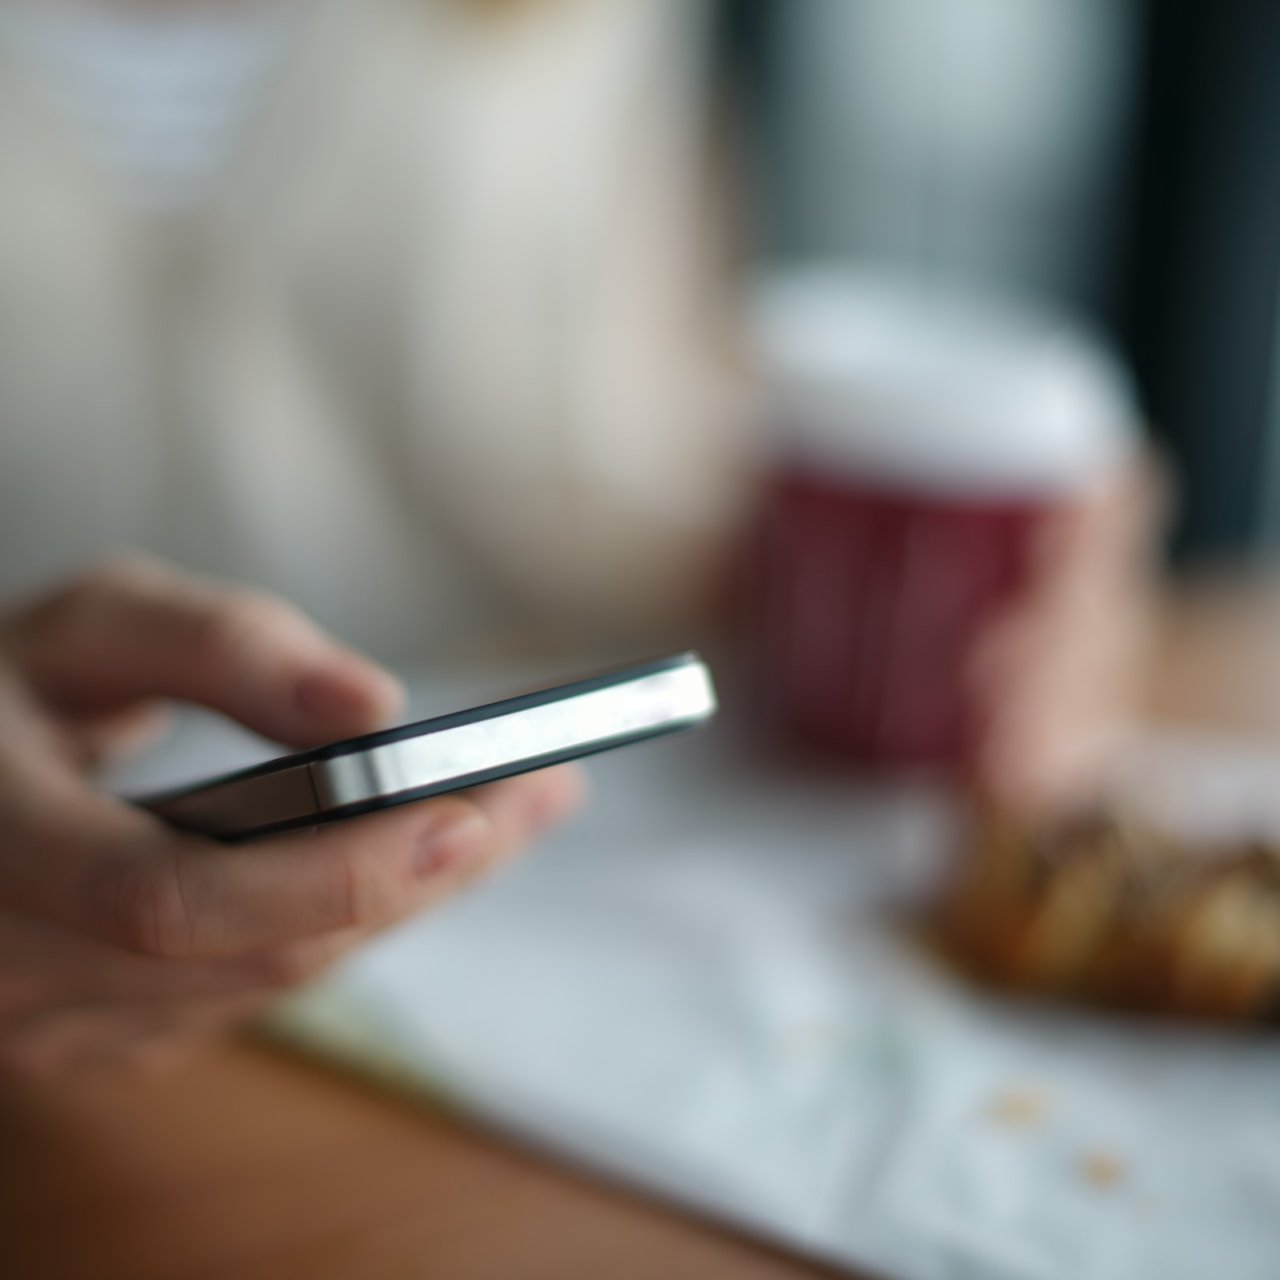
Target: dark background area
point(1169, 241)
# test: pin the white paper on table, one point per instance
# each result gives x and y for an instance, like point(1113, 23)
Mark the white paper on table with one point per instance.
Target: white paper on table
point(695, 988)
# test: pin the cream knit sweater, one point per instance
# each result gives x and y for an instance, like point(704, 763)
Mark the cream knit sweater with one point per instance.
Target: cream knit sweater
point(432, 358)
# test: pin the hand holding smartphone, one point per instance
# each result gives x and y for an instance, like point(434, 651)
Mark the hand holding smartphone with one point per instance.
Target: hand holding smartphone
point(447, 753)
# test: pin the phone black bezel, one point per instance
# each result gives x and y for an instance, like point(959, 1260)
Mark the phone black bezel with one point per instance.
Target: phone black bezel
point(435, 724)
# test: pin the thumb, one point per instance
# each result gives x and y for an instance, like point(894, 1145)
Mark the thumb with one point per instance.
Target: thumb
point(136, 629)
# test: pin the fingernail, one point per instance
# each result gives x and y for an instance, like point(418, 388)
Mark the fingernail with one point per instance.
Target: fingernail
point(542, 811)
point(553, 803)
point(332, 693)
point(323, 693)
point(446, 846)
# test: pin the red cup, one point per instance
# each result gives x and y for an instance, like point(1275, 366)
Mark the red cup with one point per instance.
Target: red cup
point(921, 443)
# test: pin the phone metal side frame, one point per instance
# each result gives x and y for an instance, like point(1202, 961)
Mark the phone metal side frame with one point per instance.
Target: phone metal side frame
point(447, 753)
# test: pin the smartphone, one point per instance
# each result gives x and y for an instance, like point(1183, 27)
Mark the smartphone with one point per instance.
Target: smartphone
point(448, 753)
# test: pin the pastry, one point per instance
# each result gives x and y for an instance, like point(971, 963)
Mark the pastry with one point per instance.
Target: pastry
point(1105, 910)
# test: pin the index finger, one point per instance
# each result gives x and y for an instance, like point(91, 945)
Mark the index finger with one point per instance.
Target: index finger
point(135, 629)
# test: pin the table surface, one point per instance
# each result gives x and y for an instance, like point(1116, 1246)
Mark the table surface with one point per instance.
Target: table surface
point(254, 1165)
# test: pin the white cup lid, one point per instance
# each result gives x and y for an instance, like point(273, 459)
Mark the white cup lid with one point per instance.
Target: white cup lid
point(891, 378)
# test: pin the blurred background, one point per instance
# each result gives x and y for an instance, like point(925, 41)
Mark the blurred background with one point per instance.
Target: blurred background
point(1112, 157)
point(258, 232)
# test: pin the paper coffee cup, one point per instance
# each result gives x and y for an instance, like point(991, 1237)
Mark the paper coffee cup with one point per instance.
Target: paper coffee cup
point(919, 438)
